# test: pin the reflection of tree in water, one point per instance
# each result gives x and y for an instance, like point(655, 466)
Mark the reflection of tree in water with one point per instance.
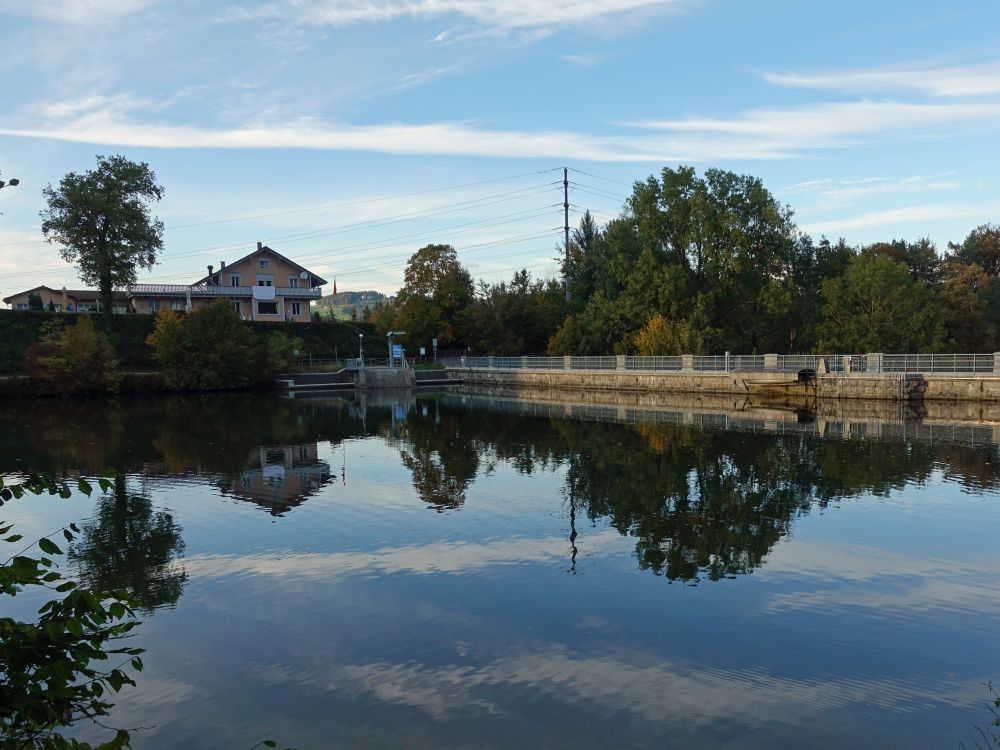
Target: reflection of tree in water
point(699, 503)
point(441, 455)
point(130, 547)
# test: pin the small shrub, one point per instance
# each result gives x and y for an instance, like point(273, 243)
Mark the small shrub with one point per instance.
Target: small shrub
point(72, 359)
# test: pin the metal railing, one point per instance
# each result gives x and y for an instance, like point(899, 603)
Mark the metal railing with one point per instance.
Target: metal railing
point(832, 363)
point(182, 290)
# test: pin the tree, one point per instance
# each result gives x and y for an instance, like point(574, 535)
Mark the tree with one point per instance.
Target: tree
point(209, 348)
point(920, 258)
point(35, 301)
point(102, 221)
point(876, 306)
point(75, 358)
point(981, 247)
point(964, 299)
point(436, 289)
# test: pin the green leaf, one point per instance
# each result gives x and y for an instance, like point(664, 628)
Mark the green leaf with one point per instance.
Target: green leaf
point(49, 547)
point(84, 486)
point(66, 586)
point(68, 534)
point(13, 538)
point(270, 743)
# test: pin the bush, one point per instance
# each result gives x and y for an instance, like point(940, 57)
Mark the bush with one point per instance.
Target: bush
point(72, 359)
point(211, 348)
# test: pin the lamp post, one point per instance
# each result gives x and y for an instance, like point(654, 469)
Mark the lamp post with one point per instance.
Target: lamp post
point(361, 349)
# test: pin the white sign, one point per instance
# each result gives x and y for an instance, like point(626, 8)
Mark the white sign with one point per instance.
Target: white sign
point(397, 350)
point(434, 343)
point(423, 352)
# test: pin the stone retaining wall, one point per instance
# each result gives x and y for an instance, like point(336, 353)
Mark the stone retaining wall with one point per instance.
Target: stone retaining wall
point(865, 387)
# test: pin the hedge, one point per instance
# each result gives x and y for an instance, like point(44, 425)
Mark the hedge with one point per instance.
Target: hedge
point(19, 328)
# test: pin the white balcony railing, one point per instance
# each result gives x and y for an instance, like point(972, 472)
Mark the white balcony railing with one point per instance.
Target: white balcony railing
point(182, 290)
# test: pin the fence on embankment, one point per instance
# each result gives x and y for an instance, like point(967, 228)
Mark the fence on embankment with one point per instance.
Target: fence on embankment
point(871, 363)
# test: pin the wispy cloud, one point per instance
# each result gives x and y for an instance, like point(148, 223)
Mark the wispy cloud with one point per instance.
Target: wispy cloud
point(508, 14)
point(916, 218)
point(77, 12)
point(583, 59)
point(853, 188)
point(778, 133)
point(969, 80)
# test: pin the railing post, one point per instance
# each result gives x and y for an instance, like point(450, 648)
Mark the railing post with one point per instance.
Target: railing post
point(996, 363)
point(567, 364)
point(524, 363)
point(491, 362)
point(727, 361)
point(771, 362)
point(873, 362)
point(620, 362)
point(687, 362)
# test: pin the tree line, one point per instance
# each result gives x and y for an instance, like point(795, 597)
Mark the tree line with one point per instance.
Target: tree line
point(709, 263)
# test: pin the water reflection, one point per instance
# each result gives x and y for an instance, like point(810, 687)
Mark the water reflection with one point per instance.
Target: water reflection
point(699, 503)
point(127, 546)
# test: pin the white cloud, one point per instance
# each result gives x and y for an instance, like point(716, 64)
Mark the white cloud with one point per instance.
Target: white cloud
point(916, 218)
point(851, 188)
point(583, 59)
point(505, 14)
point(757, 134)
point(75, 12)
point(971, 80)
point(831, 124)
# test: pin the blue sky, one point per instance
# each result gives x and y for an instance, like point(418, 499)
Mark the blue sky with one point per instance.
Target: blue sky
point(348, 133)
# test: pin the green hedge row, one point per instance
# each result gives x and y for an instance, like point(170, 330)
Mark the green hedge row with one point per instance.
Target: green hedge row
point(19, 328)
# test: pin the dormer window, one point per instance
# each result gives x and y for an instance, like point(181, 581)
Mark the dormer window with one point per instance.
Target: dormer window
point(264, 263)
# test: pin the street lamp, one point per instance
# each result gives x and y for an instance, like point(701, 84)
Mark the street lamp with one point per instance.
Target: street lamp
point(361, 349)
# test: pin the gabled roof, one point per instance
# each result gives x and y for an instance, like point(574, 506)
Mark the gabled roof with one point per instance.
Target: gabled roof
point(76, 294)
point(317, 280)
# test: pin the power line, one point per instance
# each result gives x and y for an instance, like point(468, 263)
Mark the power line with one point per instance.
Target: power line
point(606, 179)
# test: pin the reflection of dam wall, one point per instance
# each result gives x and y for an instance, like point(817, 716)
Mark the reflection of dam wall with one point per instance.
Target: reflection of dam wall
point(884, 420)
point(862, 387)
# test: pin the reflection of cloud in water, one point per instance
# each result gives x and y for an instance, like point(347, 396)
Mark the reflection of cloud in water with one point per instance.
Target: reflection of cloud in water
point(438, 557)
point(664, 691)
point(858, 576)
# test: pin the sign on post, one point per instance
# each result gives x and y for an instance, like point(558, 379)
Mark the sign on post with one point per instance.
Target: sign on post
point(397, 351)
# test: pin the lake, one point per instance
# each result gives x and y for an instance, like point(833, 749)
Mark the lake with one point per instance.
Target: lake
point(457, 571)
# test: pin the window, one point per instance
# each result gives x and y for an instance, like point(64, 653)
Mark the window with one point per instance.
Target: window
point(234, 279)
point(238, 307)
point(154, 306)
point(265, 279)
point(293, 281)
point(177, 304)
point(84, 307)
point(265, 263)
point(119, 309)
point(296, 309)
point(267, 308)
point(22, 305)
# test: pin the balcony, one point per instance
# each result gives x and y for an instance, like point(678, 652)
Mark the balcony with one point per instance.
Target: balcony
point(182, 290)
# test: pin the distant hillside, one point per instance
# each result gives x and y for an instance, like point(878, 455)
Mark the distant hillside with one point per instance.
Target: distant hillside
point(352, 299)
point(339, 305)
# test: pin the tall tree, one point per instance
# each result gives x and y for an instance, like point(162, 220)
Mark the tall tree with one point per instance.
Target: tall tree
point(102, 221)
point(878, 306)
point(436, 289)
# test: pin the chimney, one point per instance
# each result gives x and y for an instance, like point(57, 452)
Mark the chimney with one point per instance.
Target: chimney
point(260, 245)
point(209, 275)
point(222, 265)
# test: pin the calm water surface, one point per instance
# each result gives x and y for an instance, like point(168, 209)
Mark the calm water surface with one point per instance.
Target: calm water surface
point(462, 572)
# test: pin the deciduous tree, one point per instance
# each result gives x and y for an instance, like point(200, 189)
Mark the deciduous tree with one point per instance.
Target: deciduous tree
point(101, 220)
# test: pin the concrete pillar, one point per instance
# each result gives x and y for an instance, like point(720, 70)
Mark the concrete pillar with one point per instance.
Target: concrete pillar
point(524, 363)
point(873, 362)
point(771, 362)
point(687, 362)
point(566, 362)
point(491, 362)
point(996, 362)
point(620, 362)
